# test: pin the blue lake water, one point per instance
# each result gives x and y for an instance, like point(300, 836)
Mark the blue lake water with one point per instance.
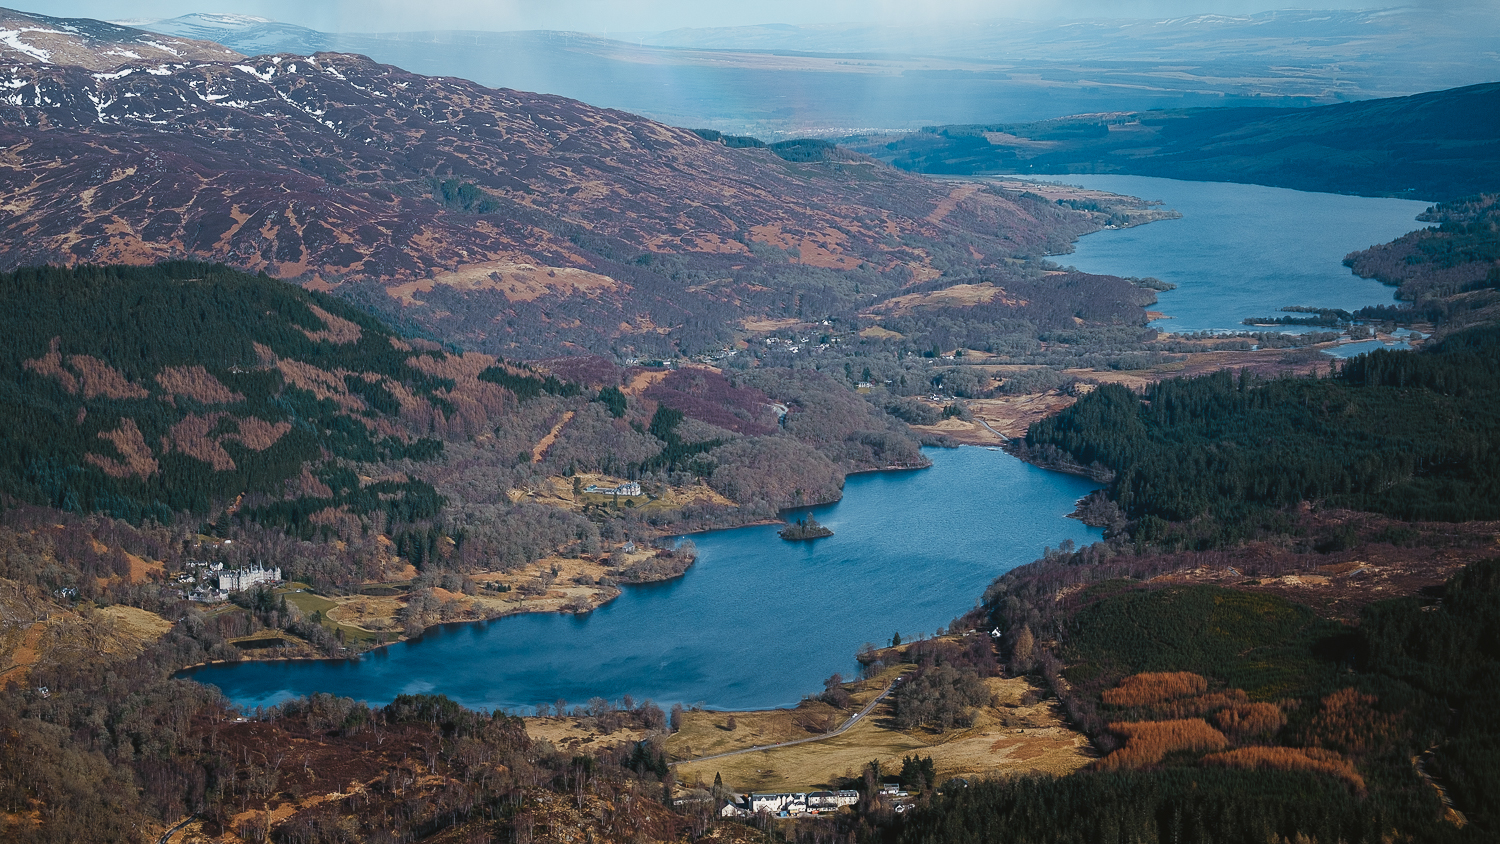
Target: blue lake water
point(757, 622)
point(1243, 250)
point(1349, 350)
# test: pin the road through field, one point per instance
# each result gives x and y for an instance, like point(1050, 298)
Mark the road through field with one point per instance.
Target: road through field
point(869, 707)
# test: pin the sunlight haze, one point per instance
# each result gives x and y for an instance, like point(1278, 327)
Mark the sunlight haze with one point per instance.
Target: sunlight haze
point(638, 16)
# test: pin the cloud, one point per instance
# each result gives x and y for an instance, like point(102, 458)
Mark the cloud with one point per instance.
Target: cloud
point(640, 15)
point(644, 16)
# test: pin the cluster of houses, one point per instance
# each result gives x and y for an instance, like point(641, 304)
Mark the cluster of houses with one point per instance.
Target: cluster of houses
point(658, 363)
point(209, 582)
point(629, 488)
point(800, 345)
point(789, 804)
point(715, 357)
point(792, 804)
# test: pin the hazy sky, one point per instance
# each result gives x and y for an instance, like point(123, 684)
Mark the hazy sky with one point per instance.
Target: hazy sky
point(640, 16)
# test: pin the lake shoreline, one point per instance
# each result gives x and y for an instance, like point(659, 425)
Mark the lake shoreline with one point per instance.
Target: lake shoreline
point(597, 599)
point(607, 596)
point(752, 580)
point(1241, 250)
point(1005, 432)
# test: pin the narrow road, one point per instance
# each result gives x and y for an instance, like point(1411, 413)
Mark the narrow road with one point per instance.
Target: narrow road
point(869, 707)
point(992, 430)
point(1451, 812)
point(166, 837)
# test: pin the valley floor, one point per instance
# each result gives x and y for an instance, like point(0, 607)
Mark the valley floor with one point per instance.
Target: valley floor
point(1001, 418)
point(1017, 733)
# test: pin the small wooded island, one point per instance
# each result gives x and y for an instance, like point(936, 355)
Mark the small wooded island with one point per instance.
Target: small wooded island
point(804, 529)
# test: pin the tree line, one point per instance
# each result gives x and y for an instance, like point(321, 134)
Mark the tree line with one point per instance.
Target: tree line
point(1407, 434)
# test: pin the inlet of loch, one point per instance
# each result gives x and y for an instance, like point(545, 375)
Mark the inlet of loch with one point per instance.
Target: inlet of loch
point(1243, 250)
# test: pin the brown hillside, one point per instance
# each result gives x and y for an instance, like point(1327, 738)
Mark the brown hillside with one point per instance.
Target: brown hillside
point(523, 224)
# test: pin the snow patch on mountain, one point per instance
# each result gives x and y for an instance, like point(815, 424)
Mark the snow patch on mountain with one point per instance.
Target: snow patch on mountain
point(12, 39)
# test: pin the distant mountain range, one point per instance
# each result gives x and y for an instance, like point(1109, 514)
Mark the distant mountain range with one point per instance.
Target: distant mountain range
point(94, 44)
point(1439, 145)
point(1296, 36)
point(834, 80)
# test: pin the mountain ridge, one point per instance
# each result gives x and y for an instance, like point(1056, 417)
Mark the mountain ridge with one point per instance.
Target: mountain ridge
point(430, 192)
point(1434, 145)
point(94, 44)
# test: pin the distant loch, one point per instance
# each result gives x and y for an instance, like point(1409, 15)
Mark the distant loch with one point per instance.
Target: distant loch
point(1243, 250)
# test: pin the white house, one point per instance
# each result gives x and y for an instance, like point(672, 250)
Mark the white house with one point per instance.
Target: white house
point(629, 488)
point(831, 799)
point(789, 803)
point(793, 803)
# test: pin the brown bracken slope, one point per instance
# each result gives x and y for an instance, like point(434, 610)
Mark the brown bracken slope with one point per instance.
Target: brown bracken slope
point(562, 227)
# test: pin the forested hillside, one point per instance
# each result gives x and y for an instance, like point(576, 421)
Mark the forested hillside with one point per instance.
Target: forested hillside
point(188, 387)
point(1288, 634)
point(190, 398)
point(1233, 716)
point(194, 390)
point(1407, 434)
point(1449, 271)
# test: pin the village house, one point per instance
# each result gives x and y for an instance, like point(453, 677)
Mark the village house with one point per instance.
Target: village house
point(788, 803)
point(629, 488)
point(791, 803)
point(823, 800)
point(207, 595)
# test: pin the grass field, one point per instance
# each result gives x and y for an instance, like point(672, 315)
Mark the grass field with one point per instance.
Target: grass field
point(300, 596)
point(571, 735)
point(1007, 737)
